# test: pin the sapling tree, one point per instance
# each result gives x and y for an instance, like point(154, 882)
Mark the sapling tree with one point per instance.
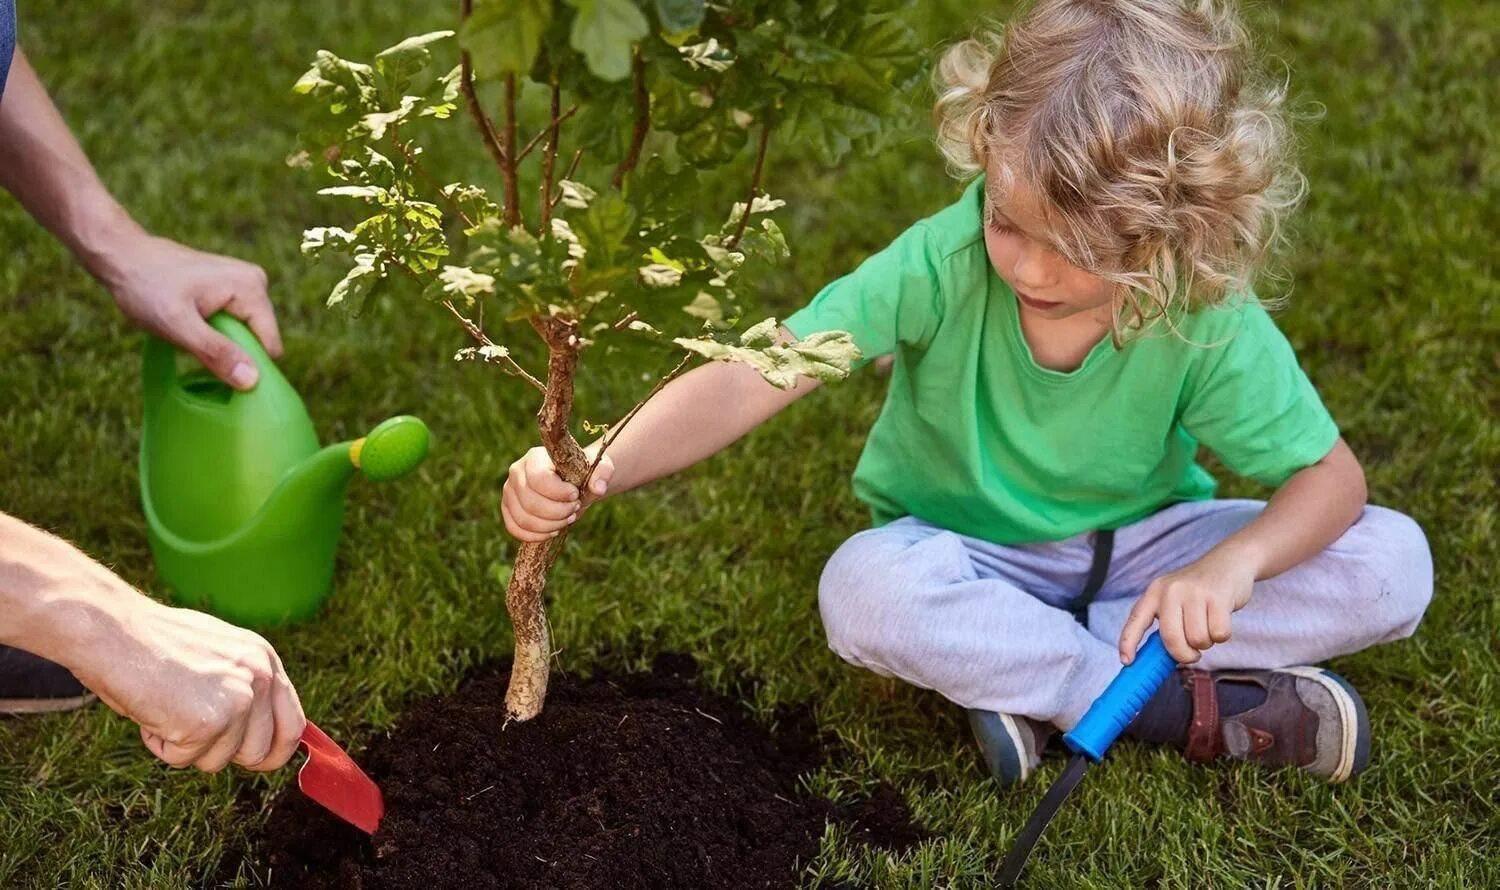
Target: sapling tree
point(629, 195)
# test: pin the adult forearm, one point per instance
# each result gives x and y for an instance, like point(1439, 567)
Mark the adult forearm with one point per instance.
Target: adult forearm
point(54, 600)
point(45, 168)
point(204, 692)
point(1308, 513)
point(692, 418)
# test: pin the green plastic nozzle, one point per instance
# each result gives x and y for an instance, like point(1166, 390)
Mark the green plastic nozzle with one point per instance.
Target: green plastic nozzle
point(393, 449)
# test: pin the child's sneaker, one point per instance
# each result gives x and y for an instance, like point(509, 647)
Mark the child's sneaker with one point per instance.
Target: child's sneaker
point(30, 684)
point(1311, 719)
point(1011, 745)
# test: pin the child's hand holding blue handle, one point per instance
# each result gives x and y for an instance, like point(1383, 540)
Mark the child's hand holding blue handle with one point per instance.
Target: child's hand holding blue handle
point(1121, 700)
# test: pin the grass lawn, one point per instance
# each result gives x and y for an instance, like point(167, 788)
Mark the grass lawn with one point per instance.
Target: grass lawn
point(185, 108)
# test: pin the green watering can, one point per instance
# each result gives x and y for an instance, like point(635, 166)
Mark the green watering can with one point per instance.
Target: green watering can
point(243, 509)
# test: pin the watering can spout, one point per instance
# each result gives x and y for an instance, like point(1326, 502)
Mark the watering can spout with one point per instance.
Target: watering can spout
point(243, 508)
point(391, 450)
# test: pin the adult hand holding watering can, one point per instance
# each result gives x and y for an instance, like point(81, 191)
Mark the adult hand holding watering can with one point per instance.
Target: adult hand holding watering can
point(169, 290)
point(164, 287)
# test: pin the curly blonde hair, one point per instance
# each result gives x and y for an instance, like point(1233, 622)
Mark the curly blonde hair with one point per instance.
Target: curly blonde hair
point(1161, 158)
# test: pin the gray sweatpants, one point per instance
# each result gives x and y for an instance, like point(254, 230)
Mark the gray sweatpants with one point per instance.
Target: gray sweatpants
point(988, 627)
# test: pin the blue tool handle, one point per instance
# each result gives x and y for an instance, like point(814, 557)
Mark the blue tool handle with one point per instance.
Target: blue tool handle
point(1113, 710)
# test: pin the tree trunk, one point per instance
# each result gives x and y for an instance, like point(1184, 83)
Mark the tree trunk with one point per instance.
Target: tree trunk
point(528, 617)
point(528, 580)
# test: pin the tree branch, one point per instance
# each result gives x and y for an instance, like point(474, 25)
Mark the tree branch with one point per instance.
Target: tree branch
point(642, 123)
point(549, 160)
point(471, 99)
point(512, 208)
point(483, 340)
point(411, 161)
point(526, 150)
point(760, 163)
point(392, 260)
point(572, 168)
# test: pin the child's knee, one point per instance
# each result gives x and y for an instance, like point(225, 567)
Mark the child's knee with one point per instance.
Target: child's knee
point(872, 584)
point(851, 588)
point(1398, 564)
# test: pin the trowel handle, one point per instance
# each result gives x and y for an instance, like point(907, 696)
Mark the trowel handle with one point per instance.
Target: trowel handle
point(1121, 700)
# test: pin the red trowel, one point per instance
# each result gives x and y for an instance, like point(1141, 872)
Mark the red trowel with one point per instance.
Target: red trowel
point(337, 783)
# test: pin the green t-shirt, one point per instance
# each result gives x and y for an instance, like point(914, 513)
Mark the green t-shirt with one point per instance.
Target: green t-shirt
point(978, 438)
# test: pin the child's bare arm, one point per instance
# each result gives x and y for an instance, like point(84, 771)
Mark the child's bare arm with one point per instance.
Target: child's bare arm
point(1307, 513)
point(692, 418)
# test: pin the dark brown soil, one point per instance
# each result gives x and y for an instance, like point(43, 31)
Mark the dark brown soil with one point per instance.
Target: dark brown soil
point(631, 781)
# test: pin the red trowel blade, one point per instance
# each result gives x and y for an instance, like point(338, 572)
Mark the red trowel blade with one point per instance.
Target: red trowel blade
point(337, 783)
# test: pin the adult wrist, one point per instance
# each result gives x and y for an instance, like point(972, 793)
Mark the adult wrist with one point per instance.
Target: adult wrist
point(104, 237)
point(78, 622)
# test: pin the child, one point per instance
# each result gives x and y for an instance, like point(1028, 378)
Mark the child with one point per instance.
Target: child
point(1065, 336)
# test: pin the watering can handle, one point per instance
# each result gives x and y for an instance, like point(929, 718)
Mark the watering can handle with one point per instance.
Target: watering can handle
point(167, 366)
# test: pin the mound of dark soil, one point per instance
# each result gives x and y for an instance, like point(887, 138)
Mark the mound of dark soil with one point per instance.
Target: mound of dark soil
point(631, 781)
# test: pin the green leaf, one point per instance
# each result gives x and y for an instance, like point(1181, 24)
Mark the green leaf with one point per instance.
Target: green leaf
point(660, 275)
point(706, 307)
point(346, 84)
point(760, 334)
point(603, 127)
point(490, 353)
point(776, 239)
point(471, 199)
point(829, 128)
point(604, 227)
point(378, 122)
point(604, 31)
point(679, 15)
point(378, 169)
point(448, 99)
point(399, 64)
point(321, 239)
point(465, 283)
point(354, 191)
point(530, 273)
point(825, 356)
point(359, 281)
point(411, 47)
point(707, 55)
point(724, 260)
point(503, 36)
point(761, 203)
point(712, 142)
point(767, 244)
point(576, 195)
point(677, 105)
